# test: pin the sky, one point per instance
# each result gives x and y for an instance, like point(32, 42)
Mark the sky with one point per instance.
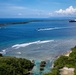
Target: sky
point(37, 8)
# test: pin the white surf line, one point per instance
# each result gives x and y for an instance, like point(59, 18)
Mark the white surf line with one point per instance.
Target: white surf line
point(30, 43)
point(3, 51)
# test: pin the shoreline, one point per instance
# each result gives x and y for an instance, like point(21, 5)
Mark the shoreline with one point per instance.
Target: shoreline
point(64, 54)
point(67, 53)
point(65, 64)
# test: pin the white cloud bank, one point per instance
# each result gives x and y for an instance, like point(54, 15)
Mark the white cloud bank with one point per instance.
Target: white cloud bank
point(67, 11)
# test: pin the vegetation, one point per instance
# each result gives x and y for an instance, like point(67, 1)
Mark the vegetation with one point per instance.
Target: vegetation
point(54, 71)
point(62, 61)
point(14, 66)
point(1, 55)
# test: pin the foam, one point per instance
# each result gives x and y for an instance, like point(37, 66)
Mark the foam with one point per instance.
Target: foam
point(18, 52)
point(45, 29)
point(3, 51)
point(30, 43)
point(55, 28)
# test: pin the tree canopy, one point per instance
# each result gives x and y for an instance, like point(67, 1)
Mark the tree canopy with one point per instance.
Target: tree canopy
point(14, 66)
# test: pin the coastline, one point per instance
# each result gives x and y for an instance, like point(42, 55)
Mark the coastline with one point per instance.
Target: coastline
point(60, 44)
point(67, 53)
point(64, 54)
point(64, 64)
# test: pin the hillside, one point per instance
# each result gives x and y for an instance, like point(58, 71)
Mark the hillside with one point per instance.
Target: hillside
point(14, 66)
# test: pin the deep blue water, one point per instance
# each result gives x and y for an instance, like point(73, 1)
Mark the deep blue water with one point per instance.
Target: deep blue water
point(37, 40)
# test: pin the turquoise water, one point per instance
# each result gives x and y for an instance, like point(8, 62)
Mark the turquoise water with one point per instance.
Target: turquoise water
point(37, 40)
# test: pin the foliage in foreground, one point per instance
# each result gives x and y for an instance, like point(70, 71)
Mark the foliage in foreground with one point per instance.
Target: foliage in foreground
point(54, 71)
point(14, 66)
point(1, 55)
point(62, 61)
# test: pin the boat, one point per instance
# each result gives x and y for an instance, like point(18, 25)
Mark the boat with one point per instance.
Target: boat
point(73, 20)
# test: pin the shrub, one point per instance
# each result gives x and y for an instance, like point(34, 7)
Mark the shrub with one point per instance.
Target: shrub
point(1, 55)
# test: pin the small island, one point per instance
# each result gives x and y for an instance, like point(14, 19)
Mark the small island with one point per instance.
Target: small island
point(73, 20)
point(26, 22)
point(65, 64)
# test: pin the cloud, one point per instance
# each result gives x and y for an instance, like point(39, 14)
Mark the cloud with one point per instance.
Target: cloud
point(67, 11)
point(12, 6)
point(17, 7)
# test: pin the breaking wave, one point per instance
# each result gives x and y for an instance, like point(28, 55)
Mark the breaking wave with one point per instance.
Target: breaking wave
point(30, 43)
point(17, 46)
point(3, 51)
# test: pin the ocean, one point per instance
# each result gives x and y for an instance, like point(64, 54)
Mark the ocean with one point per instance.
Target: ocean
point(40, 40)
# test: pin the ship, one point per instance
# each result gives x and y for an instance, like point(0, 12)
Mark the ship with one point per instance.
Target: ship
point(73, 20)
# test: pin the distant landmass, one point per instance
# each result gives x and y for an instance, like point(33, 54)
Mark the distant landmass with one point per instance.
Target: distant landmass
point(4, 24)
